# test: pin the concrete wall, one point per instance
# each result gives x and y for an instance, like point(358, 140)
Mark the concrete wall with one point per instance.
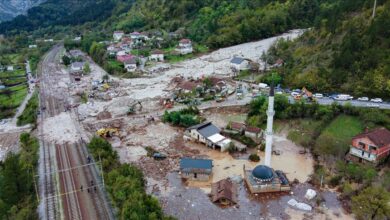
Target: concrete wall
point(199, 176)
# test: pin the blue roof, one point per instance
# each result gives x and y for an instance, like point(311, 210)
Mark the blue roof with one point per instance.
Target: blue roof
point(189, 164)
point(237, 60)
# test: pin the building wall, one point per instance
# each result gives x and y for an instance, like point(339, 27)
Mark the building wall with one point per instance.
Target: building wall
point(380, 153)
point(199, 176)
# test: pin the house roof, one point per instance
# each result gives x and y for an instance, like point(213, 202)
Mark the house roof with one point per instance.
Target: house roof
point(185, 41)
point(118, 32)
point(188, 85)
point(224, 189)
point(206, 129)
point(237, 60)
point(77, 64)
point(190, 164)
point(253, 129)
point(237, 125)
point(135, 33)
point(130, 61)
point(215, 138)
point(379, 136)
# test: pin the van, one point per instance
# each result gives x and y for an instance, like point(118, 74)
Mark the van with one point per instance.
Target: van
point(342, 97)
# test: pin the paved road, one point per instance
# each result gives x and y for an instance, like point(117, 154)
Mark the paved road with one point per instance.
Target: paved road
point(70, 187)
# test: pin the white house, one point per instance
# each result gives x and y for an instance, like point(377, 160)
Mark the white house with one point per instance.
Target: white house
point(157, 55)
point(208, 134)
point(32, 46)
point(77, 66)
point(185, 46)
point(135, 35)
point(130, 65)
point(239, 63)
point(118, 35)
point(10, 68)
point(121, 53)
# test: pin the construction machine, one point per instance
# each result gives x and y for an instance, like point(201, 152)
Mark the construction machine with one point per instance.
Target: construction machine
point(306, 94)
point(107, 132)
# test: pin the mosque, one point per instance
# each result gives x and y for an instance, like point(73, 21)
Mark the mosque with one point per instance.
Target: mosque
point(263, 178)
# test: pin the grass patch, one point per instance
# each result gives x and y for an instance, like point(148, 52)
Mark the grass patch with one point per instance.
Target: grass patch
point(336, 137)
point(16, 73)
point(302, 131)
point(29, 115)
point(10, 99)
point(178, 58)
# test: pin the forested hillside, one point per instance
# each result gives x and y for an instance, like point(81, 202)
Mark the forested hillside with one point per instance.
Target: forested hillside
point(347, 55)
point(212, 22)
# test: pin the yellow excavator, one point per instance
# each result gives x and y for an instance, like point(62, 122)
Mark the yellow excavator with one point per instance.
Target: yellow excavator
point(305, 93)
point(107, 132)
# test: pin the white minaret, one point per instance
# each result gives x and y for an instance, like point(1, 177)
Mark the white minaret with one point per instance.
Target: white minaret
point(268, 133)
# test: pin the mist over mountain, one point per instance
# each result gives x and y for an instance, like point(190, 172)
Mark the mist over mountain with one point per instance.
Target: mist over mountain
point(11, 8)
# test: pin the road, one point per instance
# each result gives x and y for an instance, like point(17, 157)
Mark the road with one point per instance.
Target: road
point(70, 187)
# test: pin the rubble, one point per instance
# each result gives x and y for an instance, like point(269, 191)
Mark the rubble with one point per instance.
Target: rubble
point(299, 205)
point(67, 132)
point(310, 194)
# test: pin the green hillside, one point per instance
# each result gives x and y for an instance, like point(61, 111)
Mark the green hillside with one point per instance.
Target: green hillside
point(348, 55)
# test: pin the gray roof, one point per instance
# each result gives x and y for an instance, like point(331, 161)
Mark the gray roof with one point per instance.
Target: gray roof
point(78, 65)
point(189, 164)
point(206, 129)
point(237, 60)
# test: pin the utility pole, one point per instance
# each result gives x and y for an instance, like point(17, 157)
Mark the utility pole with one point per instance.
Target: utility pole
point(374, 10)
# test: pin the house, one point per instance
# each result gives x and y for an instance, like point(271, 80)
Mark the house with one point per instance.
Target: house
point(77, 66)
point(242, 128)
point(239, 63)
point(184, 47)
point(10, 68)
point(77, 38)
point(121, 53)
point(196, 169)
point(224, 192)
point(118, 35)
point(370, 146)
point(208, 134)
point(157, 55)
point(76, 54)
point(123, 58)
point(130, 64)
point(135, 35)
point(32, 46)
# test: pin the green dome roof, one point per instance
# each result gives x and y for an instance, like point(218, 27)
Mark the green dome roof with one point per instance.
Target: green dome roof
point(262, 172)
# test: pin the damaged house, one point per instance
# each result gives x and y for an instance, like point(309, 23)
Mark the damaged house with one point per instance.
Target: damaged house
point(224, 192)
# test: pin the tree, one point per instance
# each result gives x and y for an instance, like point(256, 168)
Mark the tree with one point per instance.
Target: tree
point(371, 203)
point(66, 60)
point(87, 68)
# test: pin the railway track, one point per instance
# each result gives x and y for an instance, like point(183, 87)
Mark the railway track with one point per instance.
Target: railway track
point(70, 188)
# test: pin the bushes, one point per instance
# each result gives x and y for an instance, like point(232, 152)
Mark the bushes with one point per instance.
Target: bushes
point(243, 139)
point(126, 185)
point(17, 192)
point(29, 115)
point(185, 117)
point(254, 158)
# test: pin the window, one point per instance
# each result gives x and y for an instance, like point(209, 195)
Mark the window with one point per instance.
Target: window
point(372, 148)
point(362, 145)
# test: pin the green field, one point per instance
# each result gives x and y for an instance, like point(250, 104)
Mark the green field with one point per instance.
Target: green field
point(15, 73)
point(29, 115)
point(302, 131)
point(10, 101)
point(336, 137)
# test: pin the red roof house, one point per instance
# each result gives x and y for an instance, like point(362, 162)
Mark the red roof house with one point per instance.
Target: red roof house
point(370, 146)
point(123, 58)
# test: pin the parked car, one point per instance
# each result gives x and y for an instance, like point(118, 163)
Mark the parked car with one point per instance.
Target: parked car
point(342, 97)
point(377, 100)
point(293, 94)
point(365, 99)
point(159, 156)
point(318, 95)
point(373, 105)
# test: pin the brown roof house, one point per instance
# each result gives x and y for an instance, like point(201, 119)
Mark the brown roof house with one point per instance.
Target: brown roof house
point(224, 192)
point(370, 146)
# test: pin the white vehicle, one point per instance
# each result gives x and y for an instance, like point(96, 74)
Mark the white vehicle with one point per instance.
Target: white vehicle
point(343, 97)
point(377, 100)
point(318, 96)
point(365, 99)
point(263, 86)
point(373, 105)
point(279, 93)
point(293, 94)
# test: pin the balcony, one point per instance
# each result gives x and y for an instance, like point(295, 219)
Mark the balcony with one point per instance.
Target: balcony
point(359, 153)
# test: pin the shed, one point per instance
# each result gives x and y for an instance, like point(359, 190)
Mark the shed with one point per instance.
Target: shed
point(224, 192)
point(196, 169)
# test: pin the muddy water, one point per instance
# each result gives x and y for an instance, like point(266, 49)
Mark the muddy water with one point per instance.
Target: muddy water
point(185, 202)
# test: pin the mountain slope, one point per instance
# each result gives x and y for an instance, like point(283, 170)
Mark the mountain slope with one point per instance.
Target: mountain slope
point(347, 55)
point(11, 8)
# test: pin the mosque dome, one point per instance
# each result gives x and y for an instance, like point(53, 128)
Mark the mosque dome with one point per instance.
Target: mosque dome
point(263, 173)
